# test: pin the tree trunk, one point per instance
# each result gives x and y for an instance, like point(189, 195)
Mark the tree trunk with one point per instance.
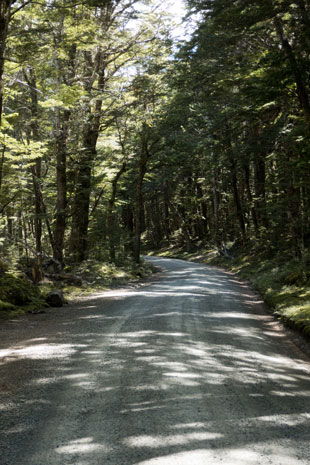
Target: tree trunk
point(302, 91)
point(80, 212)
point(305, 17)
point(234, 182)
point(144, 156)
point(110, 218)
point(202, 225)
point(128, 221)
point(294, 211)
point(166, 211)
point(36, 169)
point(61, 182)
point(250, 197)
point(37, 270)
point(1, 165)
point(5, 7)
point(260, 191)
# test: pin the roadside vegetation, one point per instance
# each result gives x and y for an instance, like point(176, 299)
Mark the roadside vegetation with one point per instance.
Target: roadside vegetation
point(18, 295)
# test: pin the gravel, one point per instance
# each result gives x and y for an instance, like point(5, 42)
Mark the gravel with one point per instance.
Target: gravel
point(187, 368)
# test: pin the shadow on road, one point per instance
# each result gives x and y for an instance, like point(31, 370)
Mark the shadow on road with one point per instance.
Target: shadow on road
point(187, 370)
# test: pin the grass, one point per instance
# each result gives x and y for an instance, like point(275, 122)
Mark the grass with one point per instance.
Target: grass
point(282, 281)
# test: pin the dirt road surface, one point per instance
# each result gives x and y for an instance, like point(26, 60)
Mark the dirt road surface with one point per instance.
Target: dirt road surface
point(186, 369)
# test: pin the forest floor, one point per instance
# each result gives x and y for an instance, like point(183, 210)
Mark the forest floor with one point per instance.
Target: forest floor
point(19, 296)
point(186, 367)
point(283, 283)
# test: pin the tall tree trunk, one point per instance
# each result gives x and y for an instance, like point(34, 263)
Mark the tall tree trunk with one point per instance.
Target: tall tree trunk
point(246, 169)
point(5, 8)
point(166, 211)
point(110, 217)
point(302, 90)
point(144, 157)
point(202, 224)
point(237, 201)
point(215, 206)
point(80, 211)
point(1, 165)
point(294, 210)
point(61, 129)
point(61, 183)
point(304, 17)
point(37, 270)
point(30, 78)
point(260, 190)
point(128, 222)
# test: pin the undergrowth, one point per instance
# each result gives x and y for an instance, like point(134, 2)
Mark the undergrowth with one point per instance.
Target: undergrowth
point(19, 295)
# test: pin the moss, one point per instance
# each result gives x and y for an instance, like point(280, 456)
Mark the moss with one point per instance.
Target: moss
point(17, 291)
point(6, 306)
point(8, 310)
point(98, 276)
point(18, 296)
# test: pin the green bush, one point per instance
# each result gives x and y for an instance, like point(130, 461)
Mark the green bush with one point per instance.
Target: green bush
point(17, 291)
point(18, 296)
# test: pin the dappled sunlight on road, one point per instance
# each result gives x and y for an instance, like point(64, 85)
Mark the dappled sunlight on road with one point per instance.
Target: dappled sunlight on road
point(175, 372)
point(203, 456)
point(37, 351)
point(82, 446)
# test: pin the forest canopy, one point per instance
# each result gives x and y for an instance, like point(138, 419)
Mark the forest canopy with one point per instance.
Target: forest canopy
point(113, 133)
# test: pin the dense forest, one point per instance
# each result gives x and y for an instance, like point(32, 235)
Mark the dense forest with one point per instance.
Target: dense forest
point(113, 135)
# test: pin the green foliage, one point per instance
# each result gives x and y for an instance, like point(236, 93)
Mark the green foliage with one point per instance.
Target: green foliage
point(18, 295)
point(98, 276)
point(17, 291)
point(283, 282)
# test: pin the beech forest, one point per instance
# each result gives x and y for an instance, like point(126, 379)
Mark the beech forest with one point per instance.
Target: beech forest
point(119, 136)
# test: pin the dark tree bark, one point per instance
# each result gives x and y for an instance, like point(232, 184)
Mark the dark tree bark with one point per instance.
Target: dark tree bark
point(294, 210)
point(246, 169)
point(80, 211)
point(260, 190)
point(37, 168)
point(304, 17)
point(202, 226)
point(302, 90)
point(61, 135)
point(128, 222)
point(1, 165)
point(144, 157)
point(61, 183)
point(166, 211)
point(110, 217)
point(237, 202)
point(5, 10)
point(215, 206)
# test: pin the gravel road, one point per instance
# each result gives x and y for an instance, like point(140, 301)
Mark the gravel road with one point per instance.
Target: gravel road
point(185, 369)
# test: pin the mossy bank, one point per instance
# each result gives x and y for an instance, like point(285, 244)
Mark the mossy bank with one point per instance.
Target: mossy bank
point(18, 295)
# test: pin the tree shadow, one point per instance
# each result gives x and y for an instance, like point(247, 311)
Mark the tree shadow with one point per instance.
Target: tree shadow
point(176, 372)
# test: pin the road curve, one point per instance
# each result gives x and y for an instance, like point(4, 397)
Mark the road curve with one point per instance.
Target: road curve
point(187, 369)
